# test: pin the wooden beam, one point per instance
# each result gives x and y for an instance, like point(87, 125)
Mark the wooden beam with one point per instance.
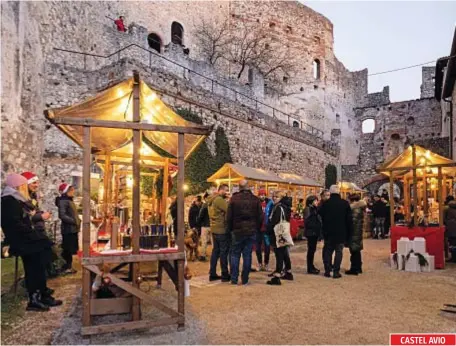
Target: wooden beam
point(415, 188)
point(110, 306)
point(408, 168)
point(165, 192)
point(136, 210)
point(86, 284)
point(391, 200)
point(144, 174)
point(121, 163)
point(129, 156)
point(136, 292)
point(194, 129)
point(132, 325)
point(106, 186)
point(440, 197)
point(180, 227)
point(131, 258)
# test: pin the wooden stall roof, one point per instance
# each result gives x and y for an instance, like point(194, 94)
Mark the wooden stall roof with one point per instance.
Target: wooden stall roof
point(295, 179)
point(403, 163)
point(346, 185)
point(116, 104)
point(239, 172)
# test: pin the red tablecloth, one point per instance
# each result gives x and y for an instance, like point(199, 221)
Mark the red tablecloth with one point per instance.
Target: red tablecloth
point(434, 240)
point(294, 226)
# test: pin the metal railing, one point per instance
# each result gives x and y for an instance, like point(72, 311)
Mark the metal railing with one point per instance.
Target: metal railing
point(275, 112)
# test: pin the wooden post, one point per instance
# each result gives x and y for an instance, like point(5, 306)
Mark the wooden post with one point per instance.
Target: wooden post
point(391, 199)
point(165, 192)
point(229, 180)
point(106, 185)
point(136, 194)
point(180, 226)
point(425, 195)
point(440, 196)
point(415, 188)
point(86, 284)
point(406, 199)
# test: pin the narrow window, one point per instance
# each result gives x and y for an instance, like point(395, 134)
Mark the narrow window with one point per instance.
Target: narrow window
point(155, 42)
point(177, 33)
point(316, 69)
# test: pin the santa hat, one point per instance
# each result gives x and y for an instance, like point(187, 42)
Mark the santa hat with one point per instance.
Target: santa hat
point(31, 177)
point(63, 188)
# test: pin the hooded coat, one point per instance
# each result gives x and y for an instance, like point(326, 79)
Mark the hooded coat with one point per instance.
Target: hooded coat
point(17, 226)
point(356, 241)
point(450, 220)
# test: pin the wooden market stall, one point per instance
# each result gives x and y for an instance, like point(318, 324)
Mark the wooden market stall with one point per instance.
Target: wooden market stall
point(300, 186)
point(111, 125)
point(427, 177)
point(347, 188)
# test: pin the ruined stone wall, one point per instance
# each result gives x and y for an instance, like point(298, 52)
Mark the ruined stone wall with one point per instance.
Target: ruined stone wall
point(255, 139)
point(428, 81)
point(397, 125)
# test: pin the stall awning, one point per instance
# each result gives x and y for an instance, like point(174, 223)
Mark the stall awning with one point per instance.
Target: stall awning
point(116, 104)
point(348, 186)
point(295, 179)
point(234, 171)
point(424, 158)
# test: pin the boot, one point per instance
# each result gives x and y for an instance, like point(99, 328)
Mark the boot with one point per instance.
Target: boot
point(35, 303)
point(313, 271)
point(50, 301)
point(287, 276)
point(351, 272)
point(336, 275)
point(275, 281)
point(48, 291)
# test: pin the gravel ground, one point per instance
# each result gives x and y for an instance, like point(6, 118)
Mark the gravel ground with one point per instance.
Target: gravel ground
point(309, 310)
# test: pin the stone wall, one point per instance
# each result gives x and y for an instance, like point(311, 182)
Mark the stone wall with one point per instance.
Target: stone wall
point(397, 125)
point(255, 139)
point(428, 81)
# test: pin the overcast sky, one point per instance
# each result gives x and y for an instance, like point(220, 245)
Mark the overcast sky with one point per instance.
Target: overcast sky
point(384, 35)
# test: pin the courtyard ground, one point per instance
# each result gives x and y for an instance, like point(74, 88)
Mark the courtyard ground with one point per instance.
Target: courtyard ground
point(309, 310)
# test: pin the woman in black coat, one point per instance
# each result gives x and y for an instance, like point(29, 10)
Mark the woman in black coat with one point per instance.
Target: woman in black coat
point(281, 210)
point(25, 241)
point(312, 231)
point(70, 228)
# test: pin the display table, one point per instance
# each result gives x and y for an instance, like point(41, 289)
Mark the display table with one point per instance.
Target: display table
point(294, 226)
point(434, 240)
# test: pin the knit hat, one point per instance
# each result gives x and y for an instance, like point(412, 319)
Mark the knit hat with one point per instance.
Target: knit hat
point(63, 188)
point(15, 180)
point(31, 177)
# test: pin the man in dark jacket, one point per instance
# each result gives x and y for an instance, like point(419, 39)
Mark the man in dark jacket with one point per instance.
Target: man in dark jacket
point(450, 228)
point(337, 229)
point(379, 212)
point(193, 214)
point(204, 225)
point(244, 219)
point(70, 227)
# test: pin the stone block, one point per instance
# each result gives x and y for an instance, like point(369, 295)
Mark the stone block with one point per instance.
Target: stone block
point(404, 246)
point(411, 264)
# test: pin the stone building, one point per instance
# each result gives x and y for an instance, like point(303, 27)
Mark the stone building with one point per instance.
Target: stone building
point(308, 120)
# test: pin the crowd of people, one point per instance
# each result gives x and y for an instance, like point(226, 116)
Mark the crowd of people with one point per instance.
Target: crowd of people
point(23, 224)
point(245, 220)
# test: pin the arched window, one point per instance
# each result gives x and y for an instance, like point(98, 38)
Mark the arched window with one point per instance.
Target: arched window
point(316, 69)
point(368, 126)
point(155, 42)
point(295, 124)
point(177, 33)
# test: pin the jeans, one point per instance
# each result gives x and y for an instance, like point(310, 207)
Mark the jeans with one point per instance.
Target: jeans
point(355, 260)
point(205, 236)
point(241, 245)
point(259, 242)
point(282, 257)
point(311, 249)
point(220, 250)
point(35, 272)
point(328, 249)
point(379, 228)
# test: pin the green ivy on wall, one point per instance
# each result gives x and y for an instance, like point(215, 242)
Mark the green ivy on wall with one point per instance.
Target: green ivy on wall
point(201, 164)
point(330, 175)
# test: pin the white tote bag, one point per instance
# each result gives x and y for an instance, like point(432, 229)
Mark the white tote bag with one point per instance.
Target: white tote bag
point(282, 231)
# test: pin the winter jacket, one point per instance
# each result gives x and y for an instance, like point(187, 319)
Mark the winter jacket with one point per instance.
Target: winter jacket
point(312, 222)
point(274, 219)
point(203, 217)
point(337, 220)
point(245, 214)
point(217, 208)
point(37, 219)
point(68, 214)
point(358, 209)
point(267, 211)
point(379, 209)
point(17, 226)
point(450, 220)
point(264, 205)
point(193, 216)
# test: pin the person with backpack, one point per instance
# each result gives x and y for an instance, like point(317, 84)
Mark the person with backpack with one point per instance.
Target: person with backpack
point(312, 231)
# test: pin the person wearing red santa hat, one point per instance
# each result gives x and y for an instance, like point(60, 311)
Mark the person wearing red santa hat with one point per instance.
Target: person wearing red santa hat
point(38, 220)
point(25, 240)
point(70, 226)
